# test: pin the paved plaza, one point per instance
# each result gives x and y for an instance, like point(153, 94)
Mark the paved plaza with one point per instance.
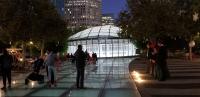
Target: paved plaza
point(108, 78)
point(184, 80)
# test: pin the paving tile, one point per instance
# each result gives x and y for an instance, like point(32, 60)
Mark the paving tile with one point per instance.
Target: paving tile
point(48, 92)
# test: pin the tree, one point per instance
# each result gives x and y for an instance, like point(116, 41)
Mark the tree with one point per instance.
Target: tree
point(149, 19)
point(31, 20)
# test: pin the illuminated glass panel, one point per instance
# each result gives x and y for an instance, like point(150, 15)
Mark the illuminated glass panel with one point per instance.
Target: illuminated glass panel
point(103, 40)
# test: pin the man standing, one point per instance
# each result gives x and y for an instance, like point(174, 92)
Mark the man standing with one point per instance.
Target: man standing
point(50, 63)
point(6, 64)
point(80, 58)
point(161, 59)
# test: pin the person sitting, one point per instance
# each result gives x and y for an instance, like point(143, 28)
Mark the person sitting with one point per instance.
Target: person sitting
point(35, 76)
point(38, 63)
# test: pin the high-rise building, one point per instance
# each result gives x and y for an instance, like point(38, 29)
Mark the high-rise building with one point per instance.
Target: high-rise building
point(59, 4)
point(83, 13)
point(108, 19)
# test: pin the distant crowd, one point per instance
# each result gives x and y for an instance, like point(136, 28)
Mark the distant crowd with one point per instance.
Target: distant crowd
point(90, 59)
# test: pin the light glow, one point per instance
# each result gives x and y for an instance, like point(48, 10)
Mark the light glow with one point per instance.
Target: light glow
point(14, 82)
point(137, 77)
point(102, 40)
point(21, 59)
point(2, 93)
point(32, 84)
point(31, 42)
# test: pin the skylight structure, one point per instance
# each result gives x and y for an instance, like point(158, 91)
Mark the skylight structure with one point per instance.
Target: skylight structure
point(102, 40)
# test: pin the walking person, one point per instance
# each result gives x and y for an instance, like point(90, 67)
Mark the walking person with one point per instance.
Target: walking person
point(80, 58)
point(6, 65)
point(50, 63)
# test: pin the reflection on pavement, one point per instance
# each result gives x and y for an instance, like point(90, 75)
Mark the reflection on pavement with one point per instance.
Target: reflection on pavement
point(107, 78)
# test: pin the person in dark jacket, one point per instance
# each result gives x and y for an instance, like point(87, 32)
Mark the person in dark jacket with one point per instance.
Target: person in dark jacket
point(38, 63)
point(161, 60)
point(80, 58)
point(6, 64)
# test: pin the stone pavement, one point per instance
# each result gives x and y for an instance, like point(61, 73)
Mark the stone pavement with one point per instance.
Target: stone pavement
point(184, 80)
point(108, 78)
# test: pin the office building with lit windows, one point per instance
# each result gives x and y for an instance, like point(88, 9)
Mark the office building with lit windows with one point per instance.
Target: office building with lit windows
point(108, 19)
point(102, 40)
point(83, 13)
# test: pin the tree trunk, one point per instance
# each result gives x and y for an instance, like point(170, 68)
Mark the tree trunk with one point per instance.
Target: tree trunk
point(23, 52)
point(42, 49)
point(190, 53)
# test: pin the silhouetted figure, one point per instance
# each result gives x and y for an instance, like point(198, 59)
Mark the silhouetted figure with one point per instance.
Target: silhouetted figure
point(80, 58)
point(95, 55)
point(94, 58)
point(151, 56)
point(45, 60)
point(35, 76)
point(38, 63)
point(161, 60)
point(68, 56)
point(6, 65)
point(72, 58)
point(87, 55)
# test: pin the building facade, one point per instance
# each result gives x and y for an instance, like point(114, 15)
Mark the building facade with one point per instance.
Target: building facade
point(83, 13)
point(59, 4)
point(108, 19)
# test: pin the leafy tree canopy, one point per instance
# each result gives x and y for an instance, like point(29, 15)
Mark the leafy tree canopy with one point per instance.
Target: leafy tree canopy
point(147, 19)
point(25, 20)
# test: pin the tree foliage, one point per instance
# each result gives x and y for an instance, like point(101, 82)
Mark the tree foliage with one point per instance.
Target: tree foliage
point(147, 19)
point(35, 20)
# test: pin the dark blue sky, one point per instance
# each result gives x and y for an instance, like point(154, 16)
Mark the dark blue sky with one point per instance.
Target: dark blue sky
point(113, 6)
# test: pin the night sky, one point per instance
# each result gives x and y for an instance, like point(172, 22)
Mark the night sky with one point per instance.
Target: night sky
point(113, 6)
